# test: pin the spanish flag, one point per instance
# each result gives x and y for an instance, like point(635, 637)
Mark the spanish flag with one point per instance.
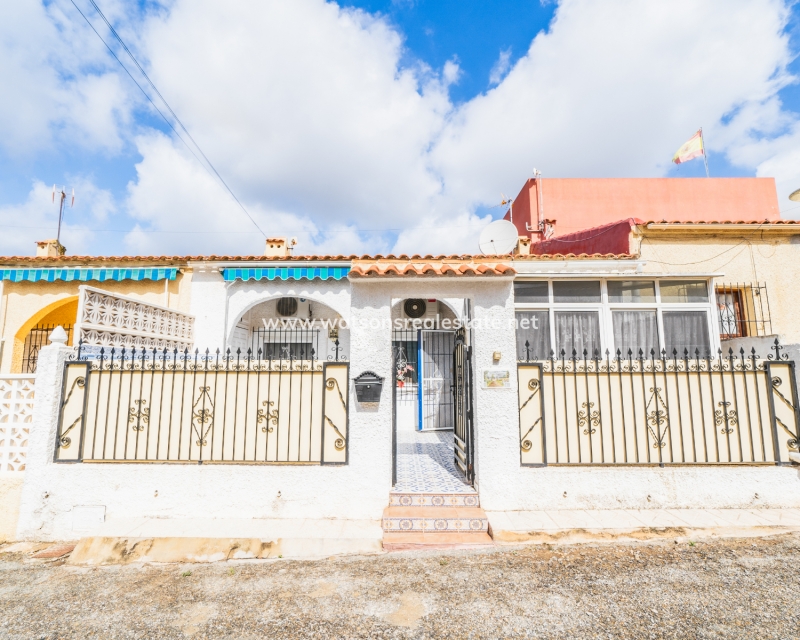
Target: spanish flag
point(692, 148)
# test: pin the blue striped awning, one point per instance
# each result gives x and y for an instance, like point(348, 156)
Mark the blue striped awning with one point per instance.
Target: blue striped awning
point(68, 274)
point(286, 273)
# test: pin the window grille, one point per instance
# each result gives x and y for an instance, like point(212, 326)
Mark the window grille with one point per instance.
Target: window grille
point(39, 337)
point(743, 310)
point(287, 344)
point(405, 348)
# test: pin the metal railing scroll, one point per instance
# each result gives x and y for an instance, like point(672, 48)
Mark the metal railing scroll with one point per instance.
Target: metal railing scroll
point(149, 405)
point(658, 409)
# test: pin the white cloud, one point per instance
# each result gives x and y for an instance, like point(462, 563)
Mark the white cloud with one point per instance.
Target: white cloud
point(37, 218)
point(613, 88)
point(782, 162)
point(303, 106)
point(501, 67)
point(180, 208)
point(307, 111)
point(61, 86)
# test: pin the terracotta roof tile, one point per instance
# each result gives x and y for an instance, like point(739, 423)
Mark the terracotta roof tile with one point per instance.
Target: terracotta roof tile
point(577, 256)
point(69, 260)
point(710, 222)
point(453, 260)
point(428, 266)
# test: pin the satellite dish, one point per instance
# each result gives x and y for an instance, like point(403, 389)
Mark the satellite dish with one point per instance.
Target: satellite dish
point(498, 238)
point(795, 196)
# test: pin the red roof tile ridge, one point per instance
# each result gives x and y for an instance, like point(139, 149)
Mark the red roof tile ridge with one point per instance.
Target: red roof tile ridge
point(765, 221)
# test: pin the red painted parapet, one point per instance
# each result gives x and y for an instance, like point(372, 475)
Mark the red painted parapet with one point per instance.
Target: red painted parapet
point(575, 204)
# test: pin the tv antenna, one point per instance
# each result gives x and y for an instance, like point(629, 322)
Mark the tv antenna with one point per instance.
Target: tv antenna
point(505, 200)
point(62, 198)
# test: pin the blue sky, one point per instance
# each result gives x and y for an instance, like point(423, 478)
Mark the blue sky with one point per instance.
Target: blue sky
point(472, 32)
point(375, 126)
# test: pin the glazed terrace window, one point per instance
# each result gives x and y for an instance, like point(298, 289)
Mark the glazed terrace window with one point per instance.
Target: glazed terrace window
point(629, 316)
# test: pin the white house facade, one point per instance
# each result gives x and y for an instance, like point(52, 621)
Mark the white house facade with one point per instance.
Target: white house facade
point(337, 387)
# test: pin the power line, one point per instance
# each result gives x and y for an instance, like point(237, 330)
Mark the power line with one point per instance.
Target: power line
point(338, 231)
point(158, 93)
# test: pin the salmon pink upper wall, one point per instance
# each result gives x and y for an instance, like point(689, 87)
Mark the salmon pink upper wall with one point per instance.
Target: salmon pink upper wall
point(581, 203)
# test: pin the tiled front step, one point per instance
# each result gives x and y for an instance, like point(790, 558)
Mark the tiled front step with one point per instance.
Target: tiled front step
point(414, 540)
point(435, 520)
point(404, 499)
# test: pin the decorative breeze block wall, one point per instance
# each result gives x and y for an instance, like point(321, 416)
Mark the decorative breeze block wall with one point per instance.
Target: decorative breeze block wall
point(16, 415)
point(110, 320)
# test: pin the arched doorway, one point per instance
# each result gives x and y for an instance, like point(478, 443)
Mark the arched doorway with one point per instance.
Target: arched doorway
point(431, 397)
point(291, 328)
point(35, 333)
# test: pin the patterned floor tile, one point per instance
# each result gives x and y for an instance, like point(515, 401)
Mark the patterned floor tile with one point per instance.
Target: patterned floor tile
point(435, 524)
point(397, 499)
point(425, 463)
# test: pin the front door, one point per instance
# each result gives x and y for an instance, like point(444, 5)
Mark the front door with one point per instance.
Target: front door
point(462, 400)
point(435, 399)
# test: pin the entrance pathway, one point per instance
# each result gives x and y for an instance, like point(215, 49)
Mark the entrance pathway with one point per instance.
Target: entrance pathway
point(425, 463)
point(431, 506)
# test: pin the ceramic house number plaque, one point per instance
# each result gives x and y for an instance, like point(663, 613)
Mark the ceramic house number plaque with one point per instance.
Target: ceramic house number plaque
point(495, 378)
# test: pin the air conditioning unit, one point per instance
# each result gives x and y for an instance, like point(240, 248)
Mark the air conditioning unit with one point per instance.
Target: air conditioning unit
point(421, 313)
point(293, 308)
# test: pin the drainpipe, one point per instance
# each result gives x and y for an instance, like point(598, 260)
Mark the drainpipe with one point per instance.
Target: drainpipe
point(3, 322)
point(540, 224)
point(537, 176)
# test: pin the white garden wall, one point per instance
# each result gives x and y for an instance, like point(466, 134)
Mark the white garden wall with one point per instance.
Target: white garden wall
point(66, 501)
point(56, 496)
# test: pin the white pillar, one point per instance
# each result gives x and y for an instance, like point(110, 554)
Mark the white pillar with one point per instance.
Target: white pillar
point(496, 424)
point(35, 514)
point(370, 440)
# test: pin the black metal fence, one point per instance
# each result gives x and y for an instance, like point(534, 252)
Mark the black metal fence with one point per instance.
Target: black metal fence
point(463, 398)
point(161, 406)
point(658, 409)
point(39, 337)
point(299, 342)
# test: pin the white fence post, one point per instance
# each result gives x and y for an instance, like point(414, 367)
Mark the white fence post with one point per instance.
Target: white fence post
point(35, 516)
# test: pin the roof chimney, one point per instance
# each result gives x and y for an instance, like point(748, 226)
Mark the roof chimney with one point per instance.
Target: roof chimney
point(523, 246)
point(50, 249)
point(279, 247)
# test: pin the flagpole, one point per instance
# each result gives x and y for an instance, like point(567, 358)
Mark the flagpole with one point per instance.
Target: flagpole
point(705, 155)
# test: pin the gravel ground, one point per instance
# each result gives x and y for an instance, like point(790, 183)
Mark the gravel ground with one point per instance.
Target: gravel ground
point(736, 588)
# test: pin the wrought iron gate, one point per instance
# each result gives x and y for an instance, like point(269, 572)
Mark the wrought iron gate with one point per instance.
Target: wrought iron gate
point(462, 401)
point(436, 379)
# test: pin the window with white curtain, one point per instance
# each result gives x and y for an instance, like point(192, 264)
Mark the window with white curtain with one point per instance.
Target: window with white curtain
point(686, 330)
point(533, 335)
point(577, 331)
point(635, 331)
point(610, 315)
